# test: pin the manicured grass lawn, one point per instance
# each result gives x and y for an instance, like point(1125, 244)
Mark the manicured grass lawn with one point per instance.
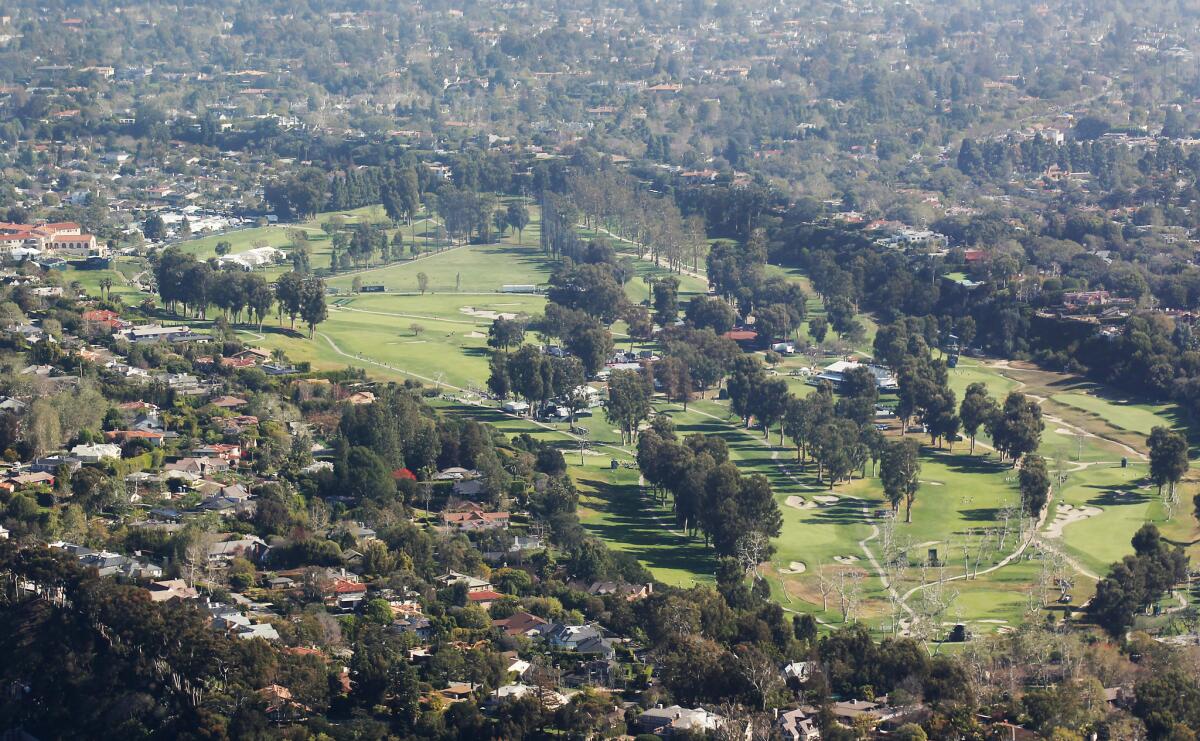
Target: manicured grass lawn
point(1139, 418)
point(475, 268)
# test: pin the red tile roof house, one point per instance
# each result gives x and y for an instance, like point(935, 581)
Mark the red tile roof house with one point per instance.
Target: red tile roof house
point(475, 520)
point(124, 436)
point(224, 451)
point(485, 598)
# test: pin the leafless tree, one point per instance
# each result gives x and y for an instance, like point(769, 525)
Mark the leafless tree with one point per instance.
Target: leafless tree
point(825, 585)
point(752, 549)
point(849, 589)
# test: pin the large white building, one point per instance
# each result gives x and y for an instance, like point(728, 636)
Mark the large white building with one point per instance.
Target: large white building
point(63, 239)
point(836, 374)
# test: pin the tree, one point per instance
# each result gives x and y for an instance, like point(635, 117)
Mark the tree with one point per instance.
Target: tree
point(769, 403)
point(313, 309)
point(818, 327)
point(289, 292)
point(710, 312)
point(505, 333)
point(628, 402)
point(666, 300)
point(1035, 484)
point(1017, 429)
point(154, 229)
point(223, 248)
point(422, 282)
point(518, 218)
point(500, 221)
point(1168, 458)
point(899, 472)
point(588, 288)
point(976, 410)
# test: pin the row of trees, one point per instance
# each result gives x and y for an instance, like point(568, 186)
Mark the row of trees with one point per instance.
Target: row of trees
point(195, 285)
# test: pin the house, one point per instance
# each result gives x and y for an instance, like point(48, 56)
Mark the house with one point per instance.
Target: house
point(629, 592)
point(550, 700)
point(164, 591)
point(361, 397)
point(418, 625)
point(458, 691)
point(96, 452)
point(224, 451)
point(473, 584)
point(157, 333)
point(522, 624)
point(280, 706)
point(29, 480)
point(52, 463)
point(455, 473)
point(797, 725)
point(3, 533)
point(228, 402)
point(250, 547)
point(799, 671)
point(520, 544)
point(469, 488)
point(664, 721)
point(485, 598)
point(197, 466)
point(583, 639)
point(120, 437)
point(474, 520)
point(345, 595)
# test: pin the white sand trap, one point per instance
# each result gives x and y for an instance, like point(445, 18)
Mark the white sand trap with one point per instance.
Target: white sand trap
point(796, 502)
point(825, 499)
point(416, 342)
point(475, 335)
point(932, 483)
point(795, 567)
point(1067, 514)
point(845, 559)
point(927, 543)
point(994, 621)
point(1063, 431)
point(486, 314)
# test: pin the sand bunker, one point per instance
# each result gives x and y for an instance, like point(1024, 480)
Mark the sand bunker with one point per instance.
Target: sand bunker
point(796, 502)
point(825, 499)
point(486, 314)
point(1067, 514)
point(475, 335)
point(1063, 431)
point(932, 483)
point(845, 559)
point(795, 567)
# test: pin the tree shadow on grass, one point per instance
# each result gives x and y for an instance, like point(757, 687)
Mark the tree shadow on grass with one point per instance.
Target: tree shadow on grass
point(845, 511)
point(981, 514)
point(645, 529)
point(1116, 496)
point(974, 464)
